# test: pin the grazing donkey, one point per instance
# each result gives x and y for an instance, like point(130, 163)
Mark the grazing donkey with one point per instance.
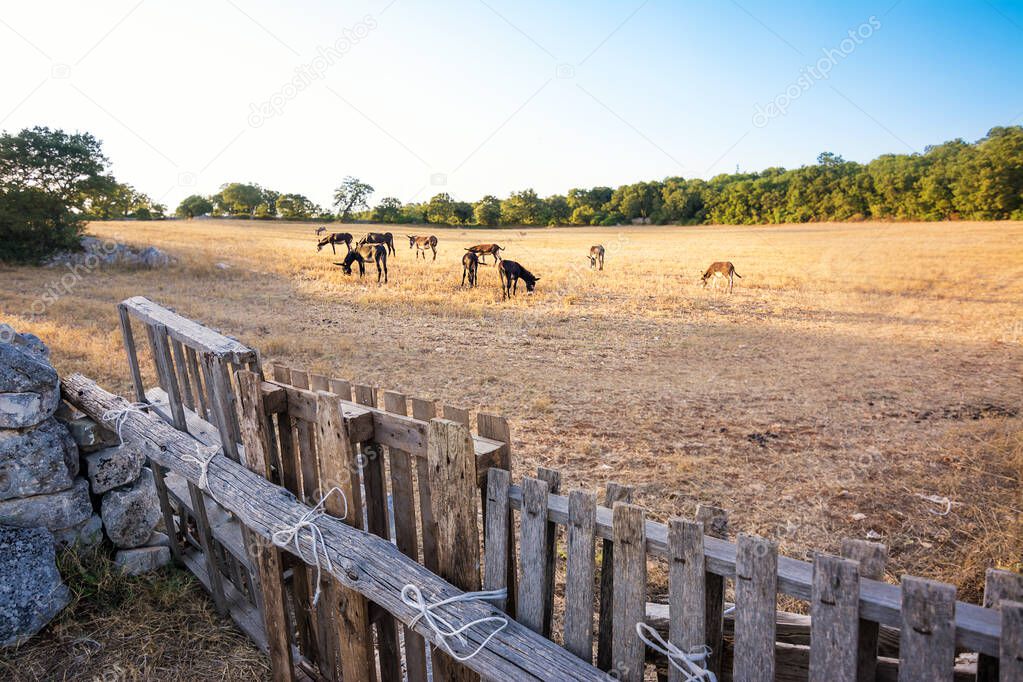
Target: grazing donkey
point(470, 263)
point(335, 238)
point(320, 230)
point(379, 238)
point(482, 250)
point(721, 270)
point(510, 272)
point(422, 244)
point(366, 252)
point(596, 256)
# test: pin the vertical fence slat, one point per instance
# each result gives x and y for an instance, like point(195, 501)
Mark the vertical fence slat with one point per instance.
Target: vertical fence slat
point(533, 547)
point(378, 524)
point(318, 382)
point(927, 639)
point(350, 646)
point(227, 406)
point(498, 518)
point(129, 348)
point(872, 557)
point(452, 466)
point(184, 381)
point(579, 573)
point(615, 492)
point(553, 479)
point(425, 410)
point(756, 587)
point(403, 504)
point(192, 359)
point(686, 588)
point(1011, 656)
point(497, 428)
point(834, 619)
point(256, 438)
point(715, 524)
point(627, 650)
point(999, 586)
point(341, 389)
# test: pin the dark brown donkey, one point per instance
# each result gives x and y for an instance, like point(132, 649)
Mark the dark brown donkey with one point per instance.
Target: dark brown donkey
point(335, 238)
point(721, 270)
point(379, 238)
point(596, 256)
point(422, 244)
point(470, 263)
point(483, 250)
point(366, 252)
point(510, 272)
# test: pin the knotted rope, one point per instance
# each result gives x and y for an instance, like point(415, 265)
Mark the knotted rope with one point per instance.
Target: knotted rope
point(205, 455)
point(445, 630)
point(285, 536)
point(691, 665)
point(119, 415)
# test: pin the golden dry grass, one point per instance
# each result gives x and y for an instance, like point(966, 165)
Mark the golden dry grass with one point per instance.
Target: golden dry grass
point(854, 369)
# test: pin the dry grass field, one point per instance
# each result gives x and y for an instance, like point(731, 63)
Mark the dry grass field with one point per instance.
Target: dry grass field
point(856, 368)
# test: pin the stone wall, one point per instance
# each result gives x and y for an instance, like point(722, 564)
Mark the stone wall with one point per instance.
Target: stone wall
point(64, 479)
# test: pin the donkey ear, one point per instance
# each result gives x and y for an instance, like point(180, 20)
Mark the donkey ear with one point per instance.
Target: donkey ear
point(537, 277)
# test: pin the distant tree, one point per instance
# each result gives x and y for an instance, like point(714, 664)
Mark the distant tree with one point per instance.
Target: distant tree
point(523, 208)
point(557, 209)
point(461, 212)
point(351, 195)
point(296, 207)
point(487, 211)
point(238, 199)
point(194, 205)
point(44, 175)
point(387, 211)
point(440, 209)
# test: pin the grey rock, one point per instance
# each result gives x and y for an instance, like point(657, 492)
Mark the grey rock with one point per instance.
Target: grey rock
point(89, 533)
point(113, 467)
point(31, 590)
point(89, 435)
point(36, 461)
point(130, 513)
point(153, 257)
point(142, 559)
point(25, 341)
point(158, 539)
point(29, 387)
point(57, 510)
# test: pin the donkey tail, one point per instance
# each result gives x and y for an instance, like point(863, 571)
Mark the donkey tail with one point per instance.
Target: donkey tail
point(736, 273)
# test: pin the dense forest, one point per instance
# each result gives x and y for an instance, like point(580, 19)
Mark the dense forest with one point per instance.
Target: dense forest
point(950, 181)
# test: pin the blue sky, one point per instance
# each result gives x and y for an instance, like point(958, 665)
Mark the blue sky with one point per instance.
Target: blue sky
point(474, 97)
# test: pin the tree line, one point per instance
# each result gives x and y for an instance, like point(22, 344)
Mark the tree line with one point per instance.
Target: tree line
point(950, 181)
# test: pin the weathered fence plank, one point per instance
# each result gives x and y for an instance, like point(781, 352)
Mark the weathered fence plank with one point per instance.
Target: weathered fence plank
point(614, 492)
point(871, 557)
point(834, 619)
point(553, 479)
point(999, 586)
point(927, 644)
point(715, 525)
point(580, 568)
point(498, 518)
point(686, 588)
point(496, 428)
point(1011, 655)
point(756, 576)
point(627, 649)
point(425, 410)
point(533, 549)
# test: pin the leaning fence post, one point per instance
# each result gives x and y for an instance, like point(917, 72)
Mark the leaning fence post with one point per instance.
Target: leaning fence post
point(268, 558)
point(999, 586)
point(452, 471)
point(927, 640)
point(756, 589)
point(834, 619)
point(872, 557)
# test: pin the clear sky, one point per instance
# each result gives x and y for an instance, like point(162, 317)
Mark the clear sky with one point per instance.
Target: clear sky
point(489, 96)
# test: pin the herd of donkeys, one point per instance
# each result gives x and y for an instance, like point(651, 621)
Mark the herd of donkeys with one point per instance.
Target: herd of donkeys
point(375, 246)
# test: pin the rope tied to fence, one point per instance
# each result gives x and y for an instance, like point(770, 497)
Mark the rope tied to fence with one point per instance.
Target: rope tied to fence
point(692, 665)
point(291, 534)
point(443, 628)
point(118, 415)
point(205, 455)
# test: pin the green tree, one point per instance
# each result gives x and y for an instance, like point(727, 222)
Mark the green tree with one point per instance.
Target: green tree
point(44, 177)
point(296, 207)
point(238, 199)
point(194, 205)
point(387, 211)
point(557, 209)
point(440, 209)
point(487, 211)
point(351, 195)
point(523, 208)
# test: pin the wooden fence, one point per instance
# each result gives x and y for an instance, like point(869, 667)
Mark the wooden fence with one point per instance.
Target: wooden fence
point(423, 483)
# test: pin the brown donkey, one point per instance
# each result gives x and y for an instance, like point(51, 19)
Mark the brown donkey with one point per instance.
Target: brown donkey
point(721, 270)
point(421, 244)
point(483, 250)
point(596, 256)
point(470, 264)
point(335, 238)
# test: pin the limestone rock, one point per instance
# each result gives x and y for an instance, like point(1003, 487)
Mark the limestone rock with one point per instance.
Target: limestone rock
point(130, 513)
point(113, 467)
point(31, 590)
point(54, 511)
point(142, 559)
point(25, 341)
point(29, 387)
point(158, 539)
point(36, 461)
point(88, 533)
point(89, 435)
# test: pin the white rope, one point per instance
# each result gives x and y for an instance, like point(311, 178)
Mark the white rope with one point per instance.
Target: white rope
point(203, 460)
point(119, 415)
point(694, 662)
point(938, 500)
point(285, 536)
point(445, 630)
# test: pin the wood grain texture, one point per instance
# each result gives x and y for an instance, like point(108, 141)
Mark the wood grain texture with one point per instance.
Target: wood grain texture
point(834, 618)
point(999, 586)
point(686, 588)
point(425, 410)
point(756, 575)
point(188, 331)
point(614, 492)
point(871, 557)
point(927, 646)
point(553, 480)
point(498, 518)
point(1011, 657)
point(580, 568)
point(533, 546)
point(628, 652)
point(715, 525)
point(497, 429)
